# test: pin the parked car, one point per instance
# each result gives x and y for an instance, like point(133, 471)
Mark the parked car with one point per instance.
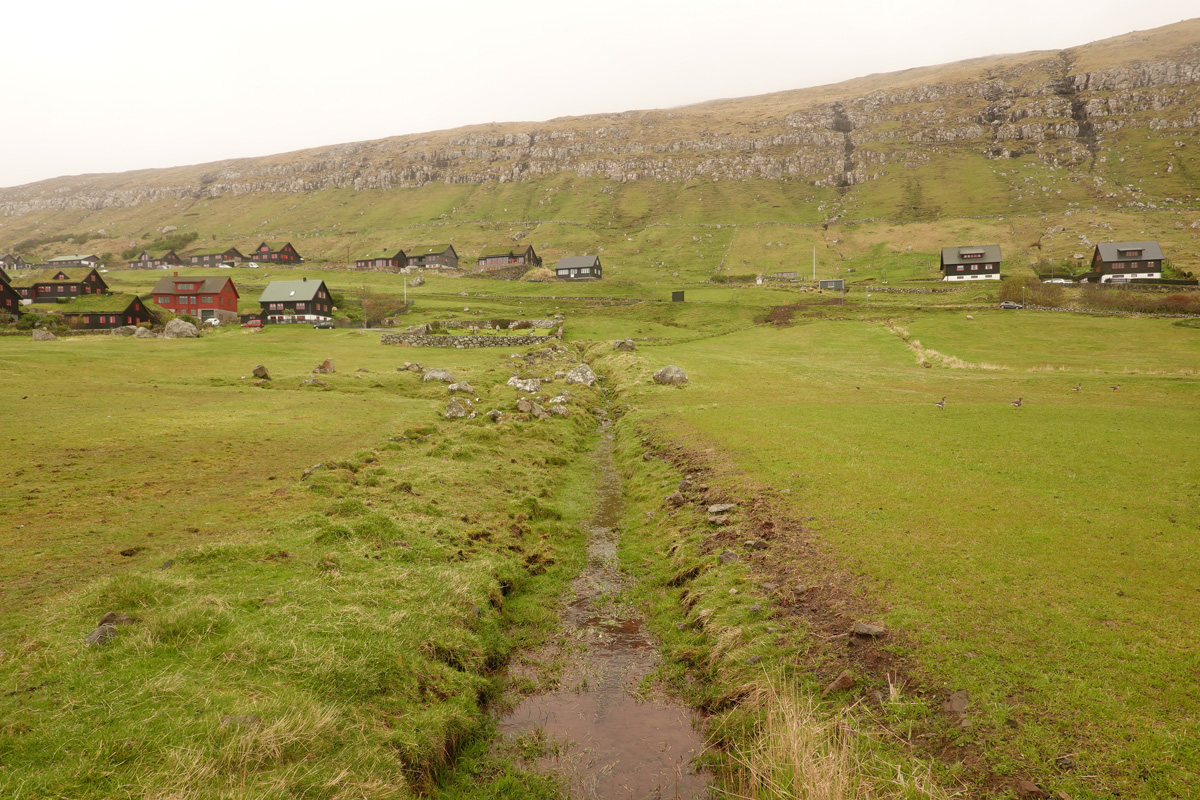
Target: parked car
point(254, 323)
point(324, 324)
point(1010, 304)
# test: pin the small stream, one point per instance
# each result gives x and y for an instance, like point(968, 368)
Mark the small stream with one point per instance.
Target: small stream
point(614, 735)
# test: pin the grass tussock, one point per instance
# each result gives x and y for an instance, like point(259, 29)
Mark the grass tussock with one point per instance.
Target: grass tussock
point(928, 357)
point(803, 751)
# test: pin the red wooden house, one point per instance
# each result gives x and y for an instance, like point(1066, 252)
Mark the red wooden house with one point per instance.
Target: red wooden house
point(53, 285)
point(202, 298)
point(273, 251)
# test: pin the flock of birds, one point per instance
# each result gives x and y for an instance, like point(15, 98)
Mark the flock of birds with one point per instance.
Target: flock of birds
point(1020, 401)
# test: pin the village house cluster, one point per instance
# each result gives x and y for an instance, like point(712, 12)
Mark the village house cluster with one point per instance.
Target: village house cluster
point(1112, 262)
point(444, 257)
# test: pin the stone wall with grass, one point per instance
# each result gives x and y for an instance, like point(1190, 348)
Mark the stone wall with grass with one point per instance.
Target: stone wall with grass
point(465, 341)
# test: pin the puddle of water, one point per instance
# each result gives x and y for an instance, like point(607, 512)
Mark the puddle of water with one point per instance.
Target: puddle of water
point(613, 738)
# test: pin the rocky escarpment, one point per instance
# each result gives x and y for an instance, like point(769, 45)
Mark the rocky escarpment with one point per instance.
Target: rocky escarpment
point(1038, 105)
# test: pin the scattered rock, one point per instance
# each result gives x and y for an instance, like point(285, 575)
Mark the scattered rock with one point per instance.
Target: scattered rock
point(462, 387)
point(144, 333)
point(179, 329)
point(458, 408)
point(581, 374)
point(718, 519)
point(957, 703)
point(113, 618)
point(494, 415)
point(261, 372)
point(529, 385)
point(241, 721)
point(721, 508)
point(311, 470)
point(43, 336)
point(262, 382)
point(325, 367)
point(1065, 763)
point(101, 636)
point(559, 410)
point(755, 544)
point(676, 499)
point(670, 375)
point(124, 330)
point(1029, 789)
point(839, 684)
point(438, 375)
point(755, 608)
point(727, 557)
point(626, 345)
point(562, 399)
point(754, 659)
point(166, 565)
point(525, 405)
point(130, 552)
point(769, 586)
point(867, 629)
point(313, 382)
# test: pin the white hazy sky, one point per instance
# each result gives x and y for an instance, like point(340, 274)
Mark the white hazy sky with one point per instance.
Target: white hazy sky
point(133, 84)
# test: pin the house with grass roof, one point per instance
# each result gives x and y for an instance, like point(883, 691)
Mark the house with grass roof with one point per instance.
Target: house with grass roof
point(58, 284)
point(434, 256)
point(10, 301)
point(523, 257)
point(1123, 261)
point(272, 252)
point(398, 261)
point(971, 263)
point(296, 301)
point(202, 298)
point(578, 268)
point(102, 311)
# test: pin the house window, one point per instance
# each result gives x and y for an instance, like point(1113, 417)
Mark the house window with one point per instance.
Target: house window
point(59, 289)
point(974, 268)
point(299, 306)
point(206, 299)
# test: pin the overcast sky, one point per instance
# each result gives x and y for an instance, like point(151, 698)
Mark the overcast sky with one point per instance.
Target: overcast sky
point(133, 84)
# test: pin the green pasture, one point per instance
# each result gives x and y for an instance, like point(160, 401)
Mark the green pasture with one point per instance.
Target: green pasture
point(1043, 557)
point(335, 634)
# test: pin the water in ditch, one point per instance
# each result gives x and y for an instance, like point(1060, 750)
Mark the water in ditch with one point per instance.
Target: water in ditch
point(609, 733)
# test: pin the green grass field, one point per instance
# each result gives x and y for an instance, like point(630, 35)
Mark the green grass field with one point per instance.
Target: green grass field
point(1044, 557)
point(339, 635)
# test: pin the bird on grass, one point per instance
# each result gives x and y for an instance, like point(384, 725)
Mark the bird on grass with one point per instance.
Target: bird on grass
point(941, 403)
point(1114, 388)
point(1017, 403)
point(1077, 387)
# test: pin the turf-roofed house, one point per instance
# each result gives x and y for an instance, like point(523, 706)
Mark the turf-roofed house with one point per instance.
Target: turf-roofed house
point(59, 284)
point(383, 263)
point(224, 258)
point(102, 311)
point(435, 256)
point(578, 268)
point(296, 301)
point(202, 298)
point(971, 263)
point(147, 261)
point(10, 301)
point(1123, 261)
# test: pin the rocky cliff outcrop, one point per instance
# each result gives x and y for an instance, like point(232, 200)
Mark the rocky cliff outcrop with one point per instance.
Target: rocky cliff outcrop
point(1038, 105)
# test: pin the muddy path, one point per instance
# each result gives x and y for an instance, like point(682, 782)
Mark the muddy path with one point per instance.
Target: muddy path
point(606, 730)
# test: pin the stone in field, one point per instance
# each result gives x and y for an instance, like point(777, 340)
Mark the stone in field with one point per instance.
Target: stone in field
point(261, 372)
point(529, 385)
point(721, 508)
point(581, 374)
point(438, 375)
point(462, 387)
point(101, 636)
point(839, 684)
point(458, 408)
point(43, 336)
point(625, 345)
point(867, 629)
point(180, 329)
point(670, 376)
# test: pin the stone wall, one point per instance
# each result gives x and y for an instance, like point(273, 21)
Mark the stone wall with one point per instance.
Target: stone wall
point(420, 340)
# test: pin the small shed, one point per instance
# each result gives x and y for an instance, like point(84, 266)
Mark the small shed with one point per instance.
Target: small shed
point(832, 285)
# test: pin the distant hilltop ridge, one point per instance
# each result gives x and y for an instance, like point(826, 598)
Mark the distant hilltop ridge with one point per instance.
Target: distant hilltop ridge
point(1070, 108)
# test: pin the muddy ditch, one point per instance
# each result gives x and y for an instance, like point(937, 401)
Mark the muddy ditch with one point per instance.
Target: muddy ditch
point(603, 726)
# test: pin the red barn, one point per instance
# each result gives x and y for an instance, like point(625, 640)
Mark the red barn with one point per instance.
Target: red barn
point(202, 298)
